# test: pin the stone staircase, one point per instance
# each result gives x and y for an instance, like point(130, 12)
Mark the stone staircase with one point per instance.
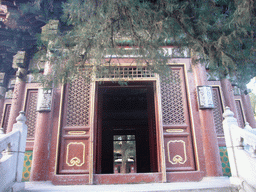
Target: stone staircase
point(209, 184)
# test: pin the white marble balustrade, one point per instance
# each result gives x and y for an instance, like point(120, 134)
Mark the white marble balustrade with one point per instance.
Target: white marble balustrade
point(12, 149)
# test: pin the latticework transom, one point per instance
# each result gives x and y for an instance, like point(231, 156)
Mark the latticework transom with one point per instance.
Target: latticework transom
point(31, 112)
point(172, 99)
point(78, 103)
point(217, 112)
point(126, 73)
point(240, 118)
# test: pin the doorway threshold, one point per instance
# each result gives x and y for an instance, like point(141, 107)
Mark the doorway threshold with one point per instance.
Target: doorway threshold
point(128, 178)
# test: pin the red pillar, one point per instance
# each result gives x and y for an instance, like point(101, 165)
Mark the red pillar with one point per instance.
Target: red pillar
point(17, 100)
point(210, 142)
point(228, 95)
point(41, 151)
point(248, 110)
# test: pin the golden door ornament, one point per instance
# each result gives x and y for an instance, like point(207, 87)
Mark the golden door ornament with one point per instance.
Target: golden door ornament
point(177, 158)
point(174, 130)
point(77, 132)
point(75, 161)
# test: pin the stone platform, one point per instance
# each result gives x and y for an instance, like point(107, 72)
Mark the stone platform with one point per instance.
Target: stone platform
point(209, 184)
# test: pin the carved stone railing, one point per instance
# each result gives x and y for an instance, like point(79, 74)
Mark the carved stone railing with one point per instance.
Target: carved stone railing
point(12, 149)
point(241, 147)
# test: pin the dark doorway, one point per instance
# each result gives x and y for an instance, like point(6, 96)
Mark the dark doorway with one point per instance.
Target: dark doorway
point(123, 112)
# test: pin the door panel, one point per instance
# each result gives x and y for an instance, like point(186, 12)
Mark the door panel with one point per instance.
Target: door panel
point(176, 122)
point(75, 129)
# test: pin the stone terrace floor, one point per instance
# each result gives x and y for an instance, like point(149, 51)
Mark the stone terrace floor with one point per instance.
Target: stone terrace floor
point(209, 184)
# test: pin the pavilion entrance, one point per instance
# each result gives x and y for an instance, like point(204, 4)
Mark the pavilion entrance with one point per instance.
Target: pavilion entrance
point(126, 131)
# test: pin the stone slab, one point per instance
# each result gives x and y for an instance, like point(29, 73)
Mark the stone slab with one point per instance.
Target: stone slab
point(209, 184)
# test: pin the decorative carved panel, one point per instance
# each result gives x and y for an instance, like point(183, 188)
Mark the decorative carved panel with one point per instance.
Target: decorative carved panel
point(6, 116)
point(240, 116)
point(176, 122)
point(173, 157)
point(178, 153)
point(31, 114)
point(217, 111)
point(172, 99)
point(74, 158)
point(126, 73)
point(78, 103)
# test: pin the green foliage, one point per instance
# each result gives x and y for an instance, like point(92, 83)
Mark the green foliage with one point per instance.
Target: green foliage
point(220, 32)
point(46, 9)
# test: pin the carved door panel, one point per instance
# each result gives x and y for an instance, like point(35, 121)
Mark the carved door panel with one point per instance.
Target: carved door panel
point(75, 129)
point(176, 122)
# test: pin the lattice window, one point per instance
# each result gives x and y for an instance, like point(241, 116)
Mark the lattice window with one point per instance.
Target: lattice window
point(31, 113)
point(6, 116)
point(126, 73)
point(78, 103)
point(217, 111)
point(172, 99)
point(240, 118)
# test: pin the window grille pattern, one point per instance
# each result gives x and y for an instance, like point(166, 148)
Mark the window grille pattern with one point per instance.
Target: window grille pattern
point(240, 118)
point(31, 113)
point(6, 117)
point(126, 73)
point(217, 111)
point(78, 103)
point(172, 99)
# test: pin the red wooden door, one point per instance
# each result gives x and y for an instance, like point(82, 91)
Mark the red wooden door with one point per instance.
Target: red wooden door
point(75, 129)
point(176, 122)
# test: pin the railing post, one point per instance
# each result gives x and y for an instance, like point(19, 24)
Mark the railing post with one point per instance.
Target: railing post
point(1, 131)
point(228, 122)
point(22, 127)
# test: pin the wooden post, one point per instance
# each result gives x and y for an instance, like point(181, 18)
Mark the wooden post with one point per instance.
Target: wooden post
point(248, 110)
point(17, 100)
point(39, 169)
point(41, 152)
point(228, 95)
point(210, 142)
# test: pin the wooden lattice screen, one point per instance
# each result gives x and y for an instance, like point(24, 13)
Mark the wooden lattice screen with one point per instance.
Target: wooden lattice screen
point(217, 111)
point(31, 114)
point(126, 73)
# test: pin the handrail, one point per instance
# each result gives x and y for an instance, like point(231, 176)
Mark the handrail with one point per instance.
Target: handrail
point(241, 148)
point(12, 149)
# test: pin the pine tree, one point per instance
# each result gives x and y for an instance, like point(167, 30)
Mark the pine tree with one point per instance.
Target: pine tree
point(220, 33)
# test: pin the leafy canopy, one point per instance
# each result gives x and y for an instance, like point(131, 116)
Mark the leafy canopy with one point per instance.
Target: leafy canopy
point(219, 32)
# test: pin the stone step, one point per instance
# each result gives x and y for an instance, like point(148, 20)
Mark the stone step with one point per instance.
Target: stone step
point(209, 184)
